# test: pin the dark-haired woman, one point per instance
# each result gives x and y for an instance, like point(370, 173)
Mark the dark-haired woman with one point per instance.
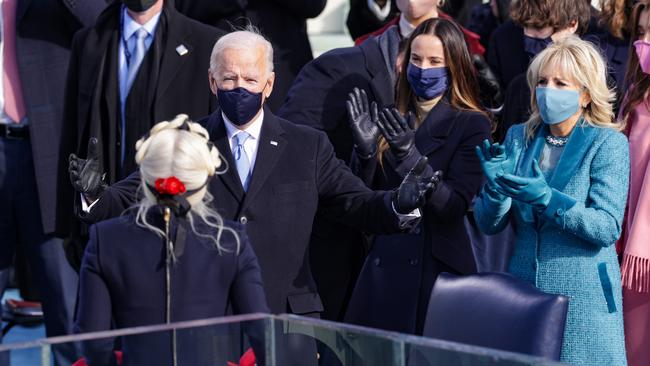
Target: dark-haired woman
point(437, 115)
point(635, 271)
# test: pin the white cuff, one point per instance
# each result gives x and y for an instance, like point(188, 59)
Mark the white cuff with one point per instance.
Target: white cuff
point(409, 220)
point(85, 207)
point(380, 13)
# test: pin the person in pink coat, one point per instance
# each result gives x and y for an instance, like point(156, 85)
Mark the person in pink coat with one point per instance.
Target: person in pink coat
point(635, 241)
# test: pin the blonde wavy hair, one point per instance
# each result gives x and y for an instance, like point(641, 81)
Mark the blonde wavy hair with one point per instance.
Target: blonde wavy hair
point(584, 64)
point(169, 150)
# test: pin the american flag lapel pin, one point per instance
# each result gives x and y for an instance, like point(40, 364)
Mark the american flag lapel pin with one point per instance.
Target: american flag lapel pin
point(182, 50)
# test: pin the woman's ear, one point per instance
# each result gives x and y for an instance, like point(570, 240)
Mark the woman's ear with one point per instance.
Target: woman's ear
point(585, 99)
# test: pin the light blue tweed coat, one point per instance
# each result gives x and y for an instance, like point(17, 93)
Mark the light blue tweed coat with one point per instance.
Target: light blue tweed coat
point(569, 248)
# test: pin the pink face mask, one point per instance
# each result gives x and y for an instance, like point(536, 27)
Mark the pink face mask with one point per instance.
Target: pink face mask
point(643, 53)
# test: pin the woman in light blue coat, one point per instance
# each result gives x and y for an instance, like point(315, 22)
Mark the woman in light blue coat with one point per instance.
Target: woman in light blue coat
point(562, 179)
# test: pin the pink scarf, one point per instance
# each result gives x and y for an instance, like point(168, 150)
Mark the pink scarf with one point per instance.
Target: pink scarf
point(636, 254)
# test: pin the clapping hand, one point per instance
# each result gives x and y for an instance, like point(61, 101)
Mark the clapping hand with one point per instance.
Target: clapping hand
point(531, 190)
point(412, 191)
point(363, 123)
point(399, 134)
point(86, 175)
point(495, 161)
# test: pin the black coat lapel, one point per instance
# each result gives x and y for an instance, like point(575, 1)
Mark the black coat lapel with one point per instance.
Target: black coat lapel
point(269, 150)
point(178, 48)
point(218, 135)
point(435, 128)
point(381, 82)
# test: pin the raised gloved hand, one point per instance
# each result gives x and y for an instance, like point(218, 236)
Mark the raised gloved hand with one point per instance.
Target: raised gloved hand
point(86, 175)
point(363, 123)
point(532, 190)
point(490, 90)
point(399, 134)
point(412, 192)
point(495, 161)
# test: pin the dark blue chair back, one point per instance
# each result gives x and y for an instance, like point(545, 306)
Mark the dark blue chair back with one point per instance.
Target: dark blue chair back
point(497, 310)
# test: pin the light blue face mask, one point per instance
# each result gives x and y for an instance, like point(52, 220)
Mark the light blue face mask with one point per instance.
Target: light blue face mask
point(556, 105)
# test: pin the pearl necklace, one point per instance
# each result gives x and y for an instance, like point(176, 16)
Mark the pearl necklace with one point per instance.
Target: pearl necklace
point(556, 141)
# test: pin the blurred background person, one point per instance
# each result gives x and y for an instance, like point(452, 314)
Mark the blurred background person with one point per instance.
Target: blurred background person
point(141, 62)
point(437, 115)
point(635, 112)
point(534, 26)
point(562, 177)
point(210, 261)
point(35, 41)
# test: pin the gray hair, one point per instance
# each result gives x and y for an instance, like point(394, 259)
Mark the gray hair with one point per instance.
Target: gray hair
point(170, 151)
point(244, 38)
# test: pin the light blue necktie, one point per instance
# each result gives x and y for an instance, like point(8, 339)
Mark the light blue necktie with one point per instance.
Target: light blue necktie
point(133, 64)
point(137, 57)
point(241, 158)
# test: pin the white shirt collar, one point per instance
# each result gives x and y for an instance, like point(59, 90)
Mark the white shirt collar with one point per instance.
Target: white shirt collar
point(254, 129)
point(130, 25)
point(405, 28)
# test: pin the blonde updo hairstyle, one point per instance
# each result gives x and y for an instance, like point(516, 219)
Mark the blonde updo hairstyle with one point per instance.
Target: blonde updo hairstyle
point(582, 62)
point(185, 153)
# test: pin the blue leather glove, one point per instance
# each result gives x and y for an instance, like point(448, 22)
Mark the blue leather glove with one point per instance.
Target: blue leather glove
point(494, 162)
point(398, 132)
point(532, 190)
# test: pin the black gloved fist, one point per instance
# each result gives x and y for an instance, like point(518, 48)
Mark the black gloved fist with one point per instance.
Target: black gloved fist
point(363, 123)
point(412, 192)
point(398, 132)
point(489, 88)
point(86, 175)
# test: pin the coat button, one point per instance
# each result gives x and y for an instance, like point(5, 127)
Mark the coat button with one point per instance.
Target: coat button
point(377, 262)
point(559, 212)
point(414, 262)
point(417, 230)
point(243, 220)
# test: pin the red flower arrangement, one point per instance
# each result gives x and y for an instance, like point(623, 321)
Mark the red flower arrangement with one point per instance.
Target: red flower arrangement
point(171, 186)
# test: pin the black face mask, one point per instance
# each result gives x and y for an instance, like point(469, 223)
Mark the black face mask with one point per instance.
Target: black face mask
point(533, 46)
point(239, 105)
point(139, 6)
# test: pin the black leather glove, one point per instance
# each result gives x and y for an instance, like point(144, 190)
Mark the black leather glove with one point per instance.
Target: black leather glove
point(86, 175)
point(399, 133)
point(489, 88)
point(412, 192)
point(363, 123)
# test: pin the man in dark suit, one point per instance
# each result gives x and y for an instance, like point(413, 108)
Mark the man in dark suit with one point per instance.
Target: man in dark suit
point(142, 62)
point(279, 174)
point(36, 37)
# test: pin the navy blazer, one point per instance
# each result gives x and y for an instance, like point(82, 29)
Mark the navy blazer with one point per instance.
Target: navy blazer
point(122, 279)
point(44, 31)
point(295, 174)
point(396, 276)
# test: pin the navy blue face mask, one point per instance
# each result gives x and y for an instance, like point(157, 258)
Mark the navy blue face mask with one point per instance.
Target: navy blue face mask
point(533, 45)
point(427, 83)
point(239, 104)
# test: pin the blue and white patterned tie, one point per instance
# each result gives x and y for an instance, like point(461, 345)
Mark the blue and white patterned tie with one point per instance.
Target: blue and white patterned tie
point(241, 158)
